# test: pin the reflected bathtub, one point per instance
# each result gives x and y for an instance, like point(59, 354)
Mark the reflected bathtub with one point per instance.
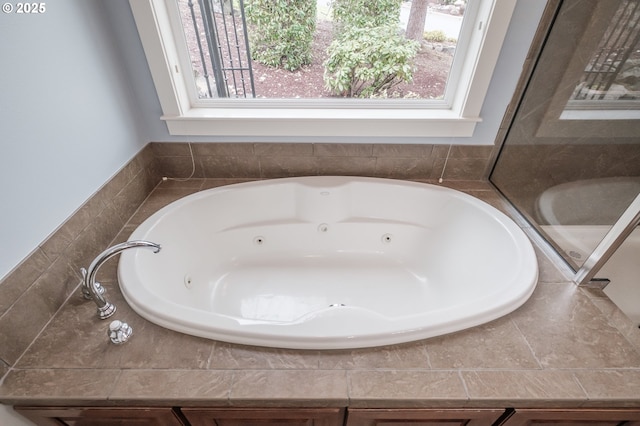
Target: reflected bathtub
point(327, 263)
point(577, 215)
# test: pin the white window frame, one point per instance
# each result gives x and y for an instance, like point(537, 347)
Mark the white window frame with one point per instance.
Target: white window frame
point(457, 117)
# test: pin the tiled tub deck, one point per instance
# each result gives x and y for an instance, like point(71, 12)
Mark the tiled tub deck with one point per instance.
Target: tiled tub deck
point(566, 347)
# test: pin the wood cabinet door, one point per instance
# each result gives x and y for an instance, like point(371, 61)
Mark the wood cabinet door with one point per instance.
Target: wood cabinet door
point(422, 417)
point(98, 416)
point(264, 416)
point(573, 417)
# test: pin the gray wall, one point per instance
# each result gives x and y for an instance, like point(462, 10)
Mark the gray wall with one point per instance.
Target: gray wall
point(67, 117)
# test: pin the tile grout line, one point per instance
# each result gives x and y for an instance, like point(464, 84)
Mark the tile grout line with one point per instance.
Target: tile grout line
point(49, 321)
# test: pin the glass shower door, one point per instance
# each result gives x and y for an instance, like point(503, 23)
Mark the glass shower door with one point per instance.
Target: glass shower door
point(570, 161)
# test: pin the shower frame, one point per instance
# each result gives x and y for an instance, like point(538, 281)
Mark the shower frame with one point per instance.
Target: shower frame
point(584, 275)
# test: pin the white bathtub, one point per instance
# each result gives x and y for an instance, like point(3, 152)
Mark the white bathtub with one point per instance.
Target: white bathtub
point(327, 263)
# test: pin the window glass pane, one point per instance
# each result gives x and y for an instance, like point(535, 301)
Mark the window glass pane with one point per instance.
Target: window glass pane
point(389, 49)
point(610, 79)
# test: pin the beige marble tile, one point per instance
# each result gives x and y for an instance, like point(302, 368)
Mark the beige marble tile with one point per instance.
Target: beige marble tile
point(180, 167)
point(532, 388)
point(216, 182)
point(628, 328)
point(230, 166)
point(491, 198)
point(121, 179)
point(460, 168)
point(169, 149)
point(498, 344)
point(22, 323)
point(603, 387)
point(406, 356)
point(94, 239)
point(230, 356)
point(287, 166)
point(127, 201)
point(172, 386)
point(347, 166)
point(223, 149)
point(478, 188)
point(463, 151)
point(283, 149)
point(404, 168)
point(78, 327)
point(162, 197)
point(565, 330)
point(59, 241)
point(4, 369)
point(14, 284)
point(109, 223)
point(416, 388)
point(56, 284)
point(145, 157)
point(75, 339)
point(290, 387)
point(402, 150)
point(342, 150)
point(57, 385)
point(550, 269)
point(193, 184)
point(161, 347)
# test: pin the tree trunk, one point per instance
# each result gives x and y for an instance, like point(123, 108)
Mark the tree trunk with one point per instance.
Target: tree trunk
point(417, 18)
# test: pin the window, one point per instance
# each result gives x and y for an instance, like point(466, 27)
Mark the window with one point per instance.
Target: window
point(455, 115)
point(608, 88)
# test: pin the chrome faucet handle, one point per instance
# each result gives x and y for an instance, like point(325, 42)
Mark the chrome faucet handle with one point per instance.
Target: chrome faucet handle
point(85, 291)
point(119, 332)
point(106, 311)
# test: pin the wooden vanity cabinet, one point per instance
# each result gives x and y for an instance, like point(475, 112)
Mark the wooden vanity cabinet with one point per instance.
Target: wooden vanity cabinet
point(167, 416)
point(423, 417)
point(264, 416)
point(98, 416)
point(573, 417)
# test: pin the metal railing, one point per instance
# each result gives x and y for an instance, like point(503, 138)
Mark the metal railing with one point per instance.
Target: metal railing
point(223, 59)
point(618, 45)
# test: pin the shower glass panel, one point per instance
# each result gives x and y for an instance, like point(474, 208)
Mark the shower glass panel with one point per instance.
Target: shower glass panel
point(570, 161)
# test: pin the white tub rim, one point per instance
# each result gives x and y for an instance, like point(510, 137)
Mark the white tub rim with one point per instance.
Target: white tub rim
point(238, 331)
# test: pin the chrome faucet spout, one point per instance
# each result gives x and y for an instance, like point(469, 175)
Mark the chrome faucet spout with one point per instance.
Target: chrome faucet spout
point(92, 290)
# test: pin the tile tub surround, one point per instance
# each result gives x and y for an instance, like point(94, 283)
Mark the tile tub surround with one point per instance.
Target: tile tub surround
point(566, 347)
point(34, 291)
point(48, 276)
point(274, 160)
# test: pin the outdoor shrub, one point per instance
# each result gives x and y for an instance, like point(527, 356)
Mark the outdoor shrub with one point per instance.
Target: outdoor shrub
point(365, 62)
point(281, 31)
point(435, 36)
point(365, 13)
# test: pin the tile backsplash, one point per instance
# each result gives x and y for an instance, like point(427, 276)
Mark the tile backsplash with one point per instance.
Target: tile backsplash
point(33, 292)
point(273, 160)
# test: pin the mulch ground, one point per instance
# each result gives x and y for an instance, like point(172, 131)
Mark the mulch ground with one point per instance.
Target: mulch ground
point(429, 78)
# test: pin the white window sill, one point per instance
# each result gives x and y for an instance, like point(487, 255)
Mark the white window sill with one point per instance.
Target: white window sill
point(320, 122)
